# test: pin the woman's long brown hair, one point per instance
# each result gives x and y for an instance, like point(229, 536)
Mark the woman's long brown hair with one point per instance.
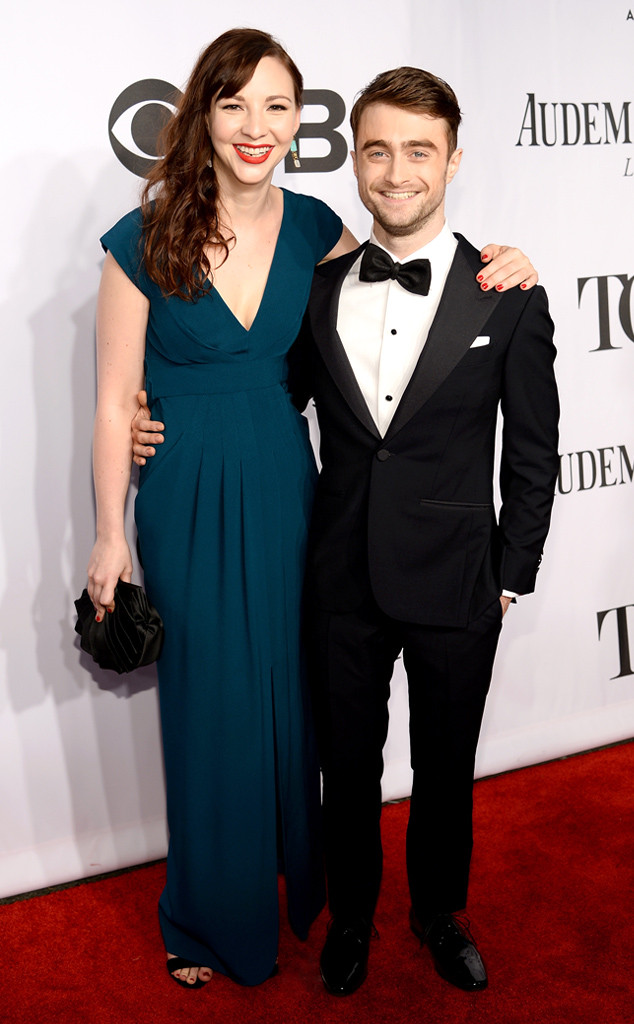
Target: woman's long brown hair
point(180, 200)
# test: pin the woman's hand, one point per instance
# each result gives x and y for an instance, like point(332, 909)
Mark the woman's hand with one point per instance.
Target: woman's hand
point(505, 268)
point(109, 562)
point(145, 431)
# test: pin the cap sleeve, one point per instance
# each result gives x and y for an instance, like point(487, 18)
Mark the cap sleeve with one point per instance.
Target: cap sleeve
point(320, 226)
point(330, 226)
point(125, 242)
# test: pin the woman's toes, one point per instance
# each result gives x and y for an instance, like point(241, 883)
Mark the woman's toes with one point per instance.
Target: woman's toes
point(190, 975)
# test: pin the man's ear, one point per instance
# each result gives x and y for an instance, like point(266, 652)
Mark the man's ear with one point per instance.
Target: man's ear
point(354, 163)
point(453, 165)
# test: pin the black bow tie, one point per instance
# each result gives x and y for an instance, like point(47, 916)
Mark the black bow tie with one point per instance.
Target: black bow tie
point(378, 265)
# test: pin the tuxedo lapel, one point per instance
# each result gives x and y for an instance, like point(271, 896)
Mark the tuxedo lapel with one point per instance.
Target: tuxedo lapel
point(464, 309)
point(323, 309)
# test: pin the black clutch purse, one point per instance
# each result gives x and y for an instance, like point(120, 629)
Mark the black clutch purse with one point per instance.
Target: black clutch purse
point(128, 637)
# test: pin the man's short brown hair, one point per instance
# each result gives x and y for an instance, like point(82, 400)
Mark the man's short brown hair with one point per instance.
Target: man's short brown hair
point(411, 89)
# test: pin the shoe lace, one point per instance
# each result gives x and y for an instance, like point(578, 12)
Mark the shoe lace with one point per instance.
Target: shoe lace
point(464, 923)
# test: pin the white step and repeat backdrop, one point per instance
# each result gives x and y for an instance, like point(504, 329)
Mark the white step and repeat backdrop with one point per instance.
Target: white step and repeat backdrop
point(548, 100)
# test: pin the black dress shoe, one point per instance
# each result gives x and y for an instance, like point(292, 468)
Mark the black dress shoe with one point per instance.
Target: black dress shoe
point(455, 955)
point(344, 958)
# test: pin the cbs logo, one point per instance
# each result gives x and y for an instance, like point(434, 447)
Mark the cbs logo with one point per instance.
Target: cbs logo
point(141, 111)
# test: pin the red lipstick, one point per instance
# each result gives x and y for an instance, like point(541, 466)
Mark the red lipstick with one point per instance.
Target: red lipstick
point(257, 155)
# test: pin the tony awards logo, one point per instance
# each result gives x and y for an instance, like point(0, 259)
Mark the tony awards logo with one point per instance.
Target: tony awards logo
point(613, 296)
point(618, 617)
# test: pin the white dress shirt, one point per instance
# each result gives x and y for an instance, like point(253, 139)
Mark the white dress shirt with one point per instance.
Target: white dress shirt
point(383, 327)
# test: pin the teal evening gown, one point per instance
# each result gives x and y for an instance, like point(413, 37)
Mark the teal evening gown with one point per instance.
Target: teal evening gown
point(222, 514)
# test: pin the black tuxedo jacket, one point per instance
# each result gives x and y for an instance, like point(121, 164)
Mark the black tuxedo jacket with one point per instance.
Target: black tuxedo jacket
point(409, 517)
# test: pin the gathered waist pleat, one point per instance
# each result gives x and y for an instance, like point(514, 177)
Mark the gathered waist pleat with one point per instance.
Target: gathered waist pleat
point(165, 379)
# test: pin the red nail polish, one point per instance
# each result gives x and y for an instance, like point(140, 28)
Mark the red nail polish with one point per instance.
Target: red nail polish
point(499, 287)
point(486, 256)
point(98, 618)
point(484, 287)
point(523, 285)
point(479, 277)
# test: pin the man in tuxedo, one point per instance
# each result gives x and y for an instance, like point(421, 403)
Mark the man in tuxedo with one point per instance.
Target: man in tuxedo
point(408, 360)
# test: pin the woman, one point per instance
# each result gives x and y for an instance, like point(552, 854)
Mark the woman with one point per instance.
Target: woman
point(207, 284)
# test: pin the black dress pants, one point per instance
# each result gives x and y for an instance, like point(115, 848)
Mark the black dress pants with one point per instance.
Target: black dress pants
point(351, 659)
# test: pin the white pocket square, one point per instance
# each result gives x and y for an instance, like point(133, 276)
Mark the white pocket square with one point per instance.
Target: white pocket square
point(482, 339)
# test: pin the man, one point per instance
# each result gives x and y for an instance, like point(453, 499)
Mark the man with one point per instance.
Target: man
point(405, 552)
point(407, 370)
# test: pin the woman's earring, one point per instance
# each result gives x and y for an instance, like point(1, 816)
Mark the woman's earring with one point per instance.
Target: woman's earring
point(295, 154)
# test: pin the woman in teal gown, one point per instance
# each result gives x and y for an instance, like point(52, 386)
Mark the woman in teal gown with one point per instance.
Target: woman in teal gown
point(222, 514)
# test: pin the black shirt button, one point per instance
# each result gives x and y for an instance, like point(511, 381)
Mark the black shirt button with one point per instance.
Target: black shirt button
point(388, 398)
point(393, 331)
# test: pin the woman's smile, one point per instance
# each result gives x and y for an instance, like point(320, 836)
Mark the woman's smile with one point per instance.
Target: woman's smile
point(252, 154)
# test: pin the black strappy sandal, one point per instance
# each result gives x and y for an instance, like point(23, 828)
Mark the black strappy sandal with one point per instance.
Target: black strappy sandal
point(178, 963)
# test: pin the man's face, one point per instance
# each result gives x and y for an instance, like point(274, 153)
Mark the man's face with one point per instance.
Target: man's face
point(403, 166)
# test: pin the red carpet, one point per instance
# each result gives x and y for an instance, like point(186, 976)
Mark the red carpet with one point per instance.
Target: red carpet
point(551, 908)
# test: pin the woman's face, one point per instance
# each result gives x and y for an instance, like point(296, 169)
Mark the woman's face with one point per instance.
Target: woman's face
point(252, 131)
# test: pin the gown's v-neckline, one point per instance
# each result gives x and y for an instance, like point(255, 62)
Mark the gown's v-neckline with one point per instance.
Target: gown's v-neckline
point(247, 330)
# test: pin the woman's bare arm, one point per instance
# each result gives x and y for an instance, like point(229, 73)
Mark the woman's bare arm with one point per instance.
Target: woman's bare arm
point(347, 243)
point(504, 266)
point(122, 312)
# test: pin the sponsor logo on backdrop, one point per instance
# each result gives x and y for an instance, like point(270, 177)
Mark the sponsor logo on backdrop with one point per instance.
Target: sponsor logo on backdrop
point(322, 130)
point(588, 470)
point(613, 296)
point(594, 123)
point(617, 617)
point(141, 111)
point(136, 120)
